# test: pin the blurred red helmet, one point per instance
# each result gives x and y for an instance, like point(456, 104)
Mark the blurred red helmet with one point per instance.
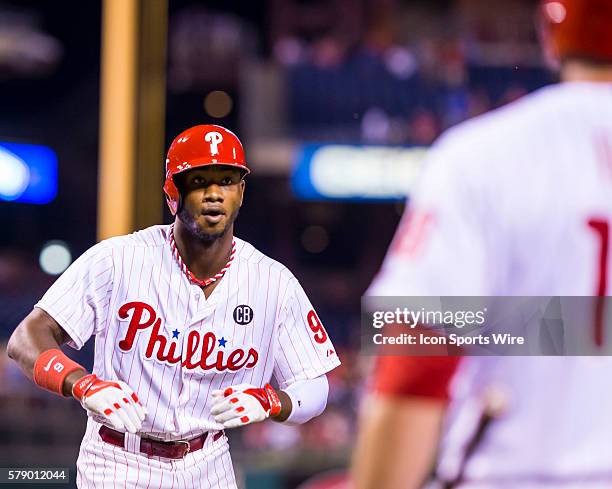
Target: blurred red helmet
point(201, 146)
point(578, 28)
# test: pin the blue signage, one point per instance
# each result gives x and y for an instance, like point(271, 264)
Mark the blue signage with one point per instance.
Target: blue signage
point(355, 172)
point(28, 173)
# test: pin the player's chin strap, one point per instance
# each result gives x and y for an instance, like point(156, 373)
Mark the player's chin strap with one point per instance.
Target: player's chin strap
point(190, 275)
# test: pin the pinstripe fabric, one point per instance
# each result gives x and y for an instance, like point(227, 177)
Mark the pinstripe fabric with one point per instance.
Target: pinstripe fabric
point(208, 468)
point(155, 330)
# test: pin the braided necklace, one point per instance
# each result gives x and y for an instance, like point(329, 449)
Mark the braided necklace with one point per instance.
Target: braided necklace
point(190, 275)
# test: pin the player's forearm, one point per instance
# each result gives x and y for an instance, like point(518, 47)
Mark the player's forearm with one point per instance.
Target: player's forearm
point(244, 404)
point(397, 443)
point(72, 379)
point(286, 407)
point(306, 399)
point(36, 334)
point(32, 337)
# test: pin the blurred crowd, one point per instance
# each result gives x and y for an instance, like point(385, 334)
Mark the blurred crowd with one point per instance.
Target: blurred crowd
point(412, 73)
point(370, 72)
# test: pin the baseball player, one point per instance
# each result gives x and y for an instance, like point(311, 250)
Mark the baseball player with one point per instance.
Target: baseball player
point(190, 324)
point(516, 202)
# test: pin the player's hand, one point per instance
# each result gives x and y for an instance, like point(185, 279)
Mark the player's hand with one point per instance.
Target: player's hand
point(244, 404)
point(115, 401)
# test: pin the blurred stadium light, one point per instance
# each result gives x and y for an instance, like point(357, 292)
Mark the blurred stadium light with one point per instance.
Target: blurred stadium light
point(355, 173)
point(55, 257)
point(28, 173)
point(315, 239)
point(218, 104)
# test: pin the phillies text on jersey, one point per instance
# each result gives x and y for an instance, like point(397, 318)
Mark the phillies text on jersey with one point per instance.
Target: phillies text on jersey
point(155, 330)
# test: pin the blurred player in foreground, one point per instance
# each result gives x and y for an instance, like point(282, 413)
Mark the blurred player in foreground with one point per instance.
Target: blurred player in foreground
point(516, 202)
point(190, 323)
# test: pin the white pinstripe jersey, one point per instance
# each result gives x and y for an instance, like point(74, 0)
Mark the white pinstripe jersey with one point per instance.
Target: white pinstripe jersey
point(155, 330)
point(519, 202)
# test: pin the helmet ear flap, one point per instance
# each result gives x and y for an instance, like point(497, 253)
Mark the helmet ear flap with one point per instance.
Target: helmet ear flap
point(179, 183)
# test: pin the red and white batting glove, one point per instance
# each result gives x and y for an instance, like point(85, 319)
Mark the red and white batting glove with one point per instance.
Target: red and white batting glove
point(114, 401)
point(244, 404)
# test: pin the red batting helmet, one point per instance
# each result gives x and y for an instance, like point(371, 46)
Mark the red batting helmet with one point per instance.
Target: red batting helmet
point(201, 146)
point(578, 28)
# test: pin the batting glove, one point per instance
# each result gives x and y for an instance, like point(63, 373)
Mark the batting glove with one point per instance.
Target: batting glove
point(114, 401)
point(244, 404)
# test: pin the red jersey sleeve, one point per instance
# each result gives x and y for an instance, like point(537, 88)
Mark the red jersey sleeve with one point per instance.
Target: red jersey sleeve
point(414, 376)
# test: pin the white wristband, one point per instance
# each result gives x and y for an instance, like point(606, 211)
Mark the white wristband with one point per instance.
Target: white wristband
point(308, 399)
